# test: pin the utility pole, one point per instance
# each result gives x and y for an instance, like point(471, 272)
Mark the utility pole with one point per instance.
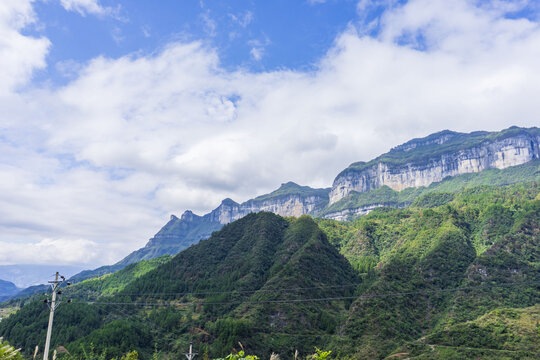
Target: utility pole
point(189, 355)
point(53, 305)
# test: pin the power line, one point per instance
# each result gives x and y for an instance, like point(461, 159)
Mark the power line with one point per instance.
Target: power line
point(368, 296)
point(245, 291)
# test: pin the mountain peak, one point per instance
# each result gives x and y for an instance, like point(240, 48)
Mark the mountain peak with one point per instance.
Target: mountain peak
point(436, 138)
point(229, 202)
point(290, 185)
point(187, 215)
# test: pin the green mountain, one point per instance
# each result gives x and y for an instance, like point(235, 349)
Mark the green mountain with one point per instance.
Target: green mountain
point(442, 162)
point(178, 234)
point(243, 281)
point(458, 280)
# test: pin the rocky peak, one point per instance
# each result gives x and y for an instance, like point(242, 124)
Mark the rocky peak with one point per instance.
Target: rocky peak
point(187, 215)
point(438, 138)
point(228, 202)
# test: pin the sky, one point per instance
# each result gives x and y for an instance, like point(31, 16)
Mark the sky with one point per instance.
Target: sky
point(116, 114)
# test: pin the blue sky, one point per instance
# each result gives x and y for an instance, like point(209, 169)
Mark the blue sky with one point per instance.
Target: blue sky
point(258, 35)
point(116, 114)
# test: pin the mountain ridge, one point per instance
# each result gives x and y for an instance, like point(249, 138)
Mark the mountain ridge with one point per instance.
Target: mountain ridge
point(291, 199)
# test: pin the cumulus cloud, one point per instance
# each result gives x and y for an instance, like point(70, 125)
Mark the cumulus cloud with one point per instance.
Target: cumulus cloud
point(129, 140)
point(79, 252)
point(21, 55)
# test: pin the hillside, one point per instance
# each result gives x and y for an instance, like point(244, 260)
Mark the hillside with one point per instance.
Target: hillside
point(360, 203)
point(506, 333)
point(404, 279)
point(230, 285)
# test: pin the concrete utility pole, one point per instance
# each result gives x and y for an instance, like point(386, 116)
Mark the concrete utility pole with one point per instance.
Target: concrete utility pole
point(191, 354)
point(52, 307)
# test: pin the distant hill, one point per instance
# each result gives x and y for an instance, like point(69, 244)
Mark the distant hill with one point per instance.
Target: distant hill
point(7, 289)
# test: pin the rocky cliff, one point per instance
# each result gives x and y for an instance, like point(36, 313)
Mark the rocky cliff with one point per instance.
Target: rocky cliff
point(421, 162)
point(179, 233)
point(289, 200)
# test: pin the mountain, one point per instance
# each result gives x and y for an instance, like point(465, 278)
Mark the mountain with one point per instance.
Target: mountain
point(420, 162)
point(356, 204)
point(446, 278)
point(289, 199)
point(7, 289)
point(242, 281)
point(444, 162)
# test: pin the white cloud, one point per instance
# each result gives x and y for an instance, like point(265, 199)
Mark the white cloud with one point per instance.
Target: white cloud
point(77, 251)
point(209, 24)
point(84, 7)
point(257, 53)
point(106, 157)
point(258, 47)
point(20, 55)
point(243, 19)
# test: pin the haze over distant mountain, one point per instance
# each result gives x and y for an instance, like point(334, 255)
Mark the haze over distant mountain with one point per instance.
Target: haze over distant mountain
point(7, 289)
point(25, 275)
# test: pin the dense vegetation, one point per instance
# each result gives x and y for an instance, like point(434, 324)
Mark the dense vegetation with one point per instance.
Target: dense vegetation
point(455, 275)
point(8, 352)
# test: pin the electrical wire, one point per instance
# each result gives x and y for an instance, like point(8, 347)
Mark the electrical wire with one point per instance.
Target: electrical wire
point(336, 298)
point(247, 291)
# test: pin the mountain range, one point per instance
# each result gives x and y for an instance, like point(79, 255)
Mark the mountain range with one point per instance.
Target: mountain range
point(444, 267)
point(453, 276)
point(445, 161)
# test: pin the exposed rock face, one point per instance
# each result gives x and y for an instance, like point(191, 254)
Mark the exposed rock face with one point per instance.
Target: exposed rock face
point(179, 233)
point(292, 204)
point(347, 214)
point(425, 161)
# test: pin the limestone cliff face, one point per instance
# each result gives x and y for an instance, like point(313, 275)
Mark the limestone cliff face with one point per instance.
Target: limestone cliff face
point(347, 214)
point(423, 161)
point(288, 200)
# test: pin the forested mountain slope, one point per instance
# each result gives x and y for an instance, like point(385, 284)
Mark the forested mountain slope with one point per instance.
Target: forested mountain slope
point(404, 280)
